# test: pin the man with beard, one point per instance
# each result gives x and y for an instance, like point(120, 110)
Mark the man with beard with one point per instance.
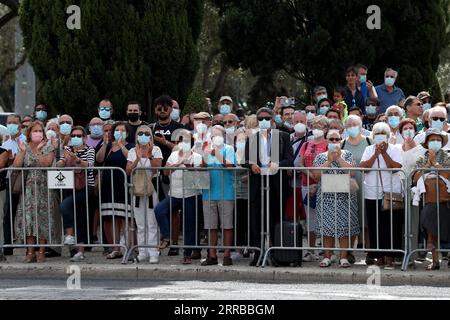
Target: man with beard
point(134, 113)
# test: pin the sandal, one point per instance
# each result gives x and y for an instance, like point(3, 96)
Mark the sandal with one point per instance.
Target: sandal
point(344, 263)
point(433, 266)
point(30, 258)
point(41, 257)
point(326, 262)
point(186, 260)
point(114, 255)
point(164, 244)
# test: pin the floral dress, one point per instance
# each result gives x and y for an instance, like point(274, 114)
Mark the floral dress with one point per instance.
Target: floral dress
point(35, 210)
point(333, 208)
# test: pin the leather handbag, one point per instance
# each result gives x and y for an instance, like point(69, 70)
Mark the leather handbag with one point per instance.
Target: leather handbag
point(392, 200)
point(142, 183)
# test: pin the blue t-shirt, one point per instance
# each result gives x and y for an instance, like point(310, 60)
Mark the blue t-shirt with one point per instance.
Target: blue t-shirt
point(221, 181)
point(388, 99)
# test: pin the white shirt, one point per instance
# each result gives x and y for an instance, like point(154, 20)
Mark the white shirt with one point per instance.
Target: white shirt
point(371, 178)
point(410, 157)
point(11, 144)
point(176, 178)
point(396, 139)
point(145, 162)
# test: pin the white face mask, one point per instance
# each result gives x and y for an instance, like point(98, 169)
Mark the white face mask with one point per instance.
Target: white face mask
point(218, 141)
point(50, 134)
point(317, 133)
point(300, 128)
point(185, 146)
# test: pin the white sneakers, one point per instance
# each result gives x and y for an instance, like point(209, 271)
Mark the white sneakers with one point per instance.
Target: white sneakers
point(69, 240)
point(78, 257)
point(236, 256)
point(154, 260)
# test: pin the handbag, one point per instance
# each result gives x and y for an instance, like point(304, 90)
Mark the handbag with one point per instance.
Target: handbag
point(392, 200)
point(16, 181)
point(142, 183)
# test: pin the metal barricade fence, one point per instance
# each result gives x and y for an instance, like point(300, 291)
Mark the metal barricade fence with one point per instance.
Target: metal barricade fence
point(429, 214)
point(336, 209)
point(192, 192)
point(35, 196)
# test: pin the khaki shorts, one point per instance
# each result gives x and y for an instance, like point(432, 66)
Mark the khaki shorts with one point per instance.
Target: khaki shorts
point(211, 211)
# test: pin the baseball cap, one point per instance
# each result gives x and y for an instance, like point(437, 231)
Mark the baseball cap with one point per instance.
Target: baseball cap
point(225, 98)
point(202, 115)
point(423, 95)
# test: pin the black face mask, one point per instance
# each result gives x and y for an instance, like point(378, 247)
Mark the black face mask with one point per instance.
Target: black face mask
point(133, 117)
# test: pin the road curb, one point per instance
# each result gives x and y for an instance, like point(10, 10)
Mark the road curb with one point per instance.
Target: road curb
point(219, 273)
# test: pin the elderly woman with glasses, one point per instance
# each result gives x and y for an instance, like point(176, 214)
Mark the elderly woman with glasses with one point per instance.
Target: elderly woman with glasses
point(382, 155)
point(337, 213)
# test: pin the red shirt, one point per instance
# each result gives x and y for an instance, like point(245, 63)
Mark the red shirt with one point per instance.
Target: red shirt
point(309, 151)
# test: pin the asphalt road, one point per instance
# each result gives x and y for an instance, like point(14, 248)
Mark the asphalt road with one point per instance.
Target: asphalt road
point(16, 289)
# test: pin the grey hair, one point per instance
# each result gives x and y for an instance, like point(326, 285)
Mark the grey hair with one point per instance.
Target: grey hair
point(319, 88)
point(51, 121)
point(353, 118)
point(66, 115)
point(435, 110)
point(335, 121)
point(390, 69)
point(235, 117)
point(381, 127)
point(394, 107)
point(333, 132)
point(144, 127)
point(265, 109)
point(320, 120)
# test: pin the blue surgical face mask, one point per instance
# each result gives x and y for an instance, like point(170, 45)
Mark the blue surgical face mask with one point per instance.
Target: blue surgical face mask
point(278, 119)
point(371, 110)
point(437, 124)
point(13, 129)
point(394, 121)
point(435, 145)
point(333, 147)
point(353, 131)
point(143, 140)
point(408, 133)
point(96, 131)
point(380, 138)
point(389, 82)
point(264, 124)
point(117, 135)
point(76, 141)
point(104, 114)
point(230, 131)
point(322, 96)
point(225, 109)
point(41, 115)
point(288, 125)
point(65, 129)
point(175, 114)
point(323, 110)
point(426, 106)
point(363, 78)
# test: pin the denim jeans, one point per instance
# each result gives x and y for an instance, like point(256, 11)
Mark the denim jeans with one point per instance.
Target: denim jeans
point(67, 210)
point(163, 211)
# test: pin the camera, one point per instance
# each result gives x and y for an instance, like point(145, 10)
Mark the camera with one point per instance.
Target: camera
point(287, 102)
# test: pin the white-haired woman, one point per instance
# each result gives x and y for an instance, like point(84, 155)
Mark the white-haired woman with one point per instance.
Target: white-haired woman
point(394, 117)
point(337, 213)
point(356, 143)
point(145, 155)
point(382, 155)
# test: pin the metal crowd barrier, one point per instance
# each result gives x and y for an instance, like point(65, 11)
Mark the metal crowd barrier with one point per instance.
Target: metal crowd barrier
point(337, 178)
point(194, 179)
point(415, 223)
point(55, 196)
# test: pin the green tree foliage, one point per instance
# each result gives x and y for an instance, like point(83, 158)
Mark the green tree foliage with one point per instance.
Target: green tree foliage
point(125, 50)
point(315, 41)
point(196, 102)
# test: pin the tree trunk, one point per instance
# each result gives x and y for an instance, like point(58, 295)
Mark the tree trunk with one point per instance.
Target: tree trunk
point(207, 67)
point(220, 82)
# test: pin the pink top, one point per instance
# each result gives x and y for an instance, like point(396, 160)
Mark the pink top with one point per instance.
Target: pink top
point(309, 151)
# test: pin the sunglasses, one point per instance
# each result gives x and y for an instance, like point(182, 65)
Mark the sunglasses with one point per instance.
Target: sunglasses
point(438, 118)
point(228, 122)
point(77, 136)
point(105, 108)
point(140, 134)
point(334, 139)
point(265, 118)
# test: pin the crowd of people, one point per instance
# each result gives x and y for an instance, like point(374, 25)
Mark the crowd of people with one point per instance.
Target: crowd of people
point(361, 126)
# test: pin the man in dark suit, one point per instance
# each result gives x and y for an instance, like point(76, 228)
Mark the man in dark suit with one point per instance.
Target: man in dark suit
point(265, 152)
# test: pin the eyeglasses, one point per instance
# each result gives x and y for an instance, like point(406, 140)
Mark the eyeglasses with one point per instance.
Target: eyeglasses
point(65, 122)
point(264, 118)
point(105, 108)
point(334, 139)
point(218, 123)
point(438, 118)
point(77, 136)
point(159, 109)
point(140, 134)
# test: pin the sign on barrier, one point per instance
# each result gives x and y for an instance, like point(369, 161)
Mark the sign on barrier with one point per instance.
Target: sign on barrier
point(60, 179)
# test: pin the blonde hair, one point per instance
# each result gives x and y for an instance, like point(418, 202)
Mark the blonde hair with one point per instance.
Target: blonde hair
point(251, 122)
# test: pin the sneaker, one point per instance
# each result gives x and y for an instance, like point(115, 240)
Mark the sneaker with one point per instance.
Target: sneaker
point(154, 260)
point(310, 257)
point(210, 262)
point(173, 252)
point(79, 257)
point(227, 261)
point(69, 240)
point(236, 256)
